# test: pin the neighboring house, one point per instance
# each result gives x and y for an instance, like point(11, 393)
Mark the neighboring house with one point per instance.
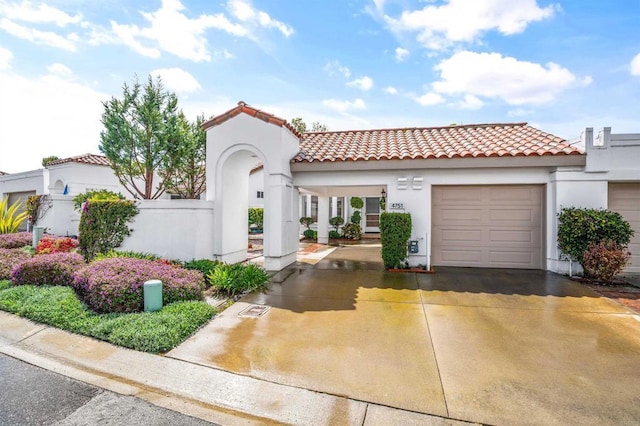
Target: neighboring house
point(19, 186)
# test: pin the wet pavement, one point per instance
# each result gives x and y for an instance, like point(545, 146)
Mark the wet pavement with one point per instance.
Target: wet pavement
point(490, 346)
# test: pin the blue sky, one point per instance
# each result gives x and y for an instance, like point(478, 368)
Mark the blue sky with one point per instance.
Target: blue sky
point(559, 65)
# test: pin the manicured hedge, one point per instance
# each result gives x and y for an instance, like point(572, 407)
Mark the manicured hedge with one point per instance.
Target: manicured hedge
point(15, 240)
point(10, 258)
point(47, 269)
point(395, 231)
point(116, 284)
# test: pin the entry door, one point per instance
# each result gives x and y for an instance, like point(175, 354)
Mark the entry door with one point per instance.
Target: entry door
point(372, 214)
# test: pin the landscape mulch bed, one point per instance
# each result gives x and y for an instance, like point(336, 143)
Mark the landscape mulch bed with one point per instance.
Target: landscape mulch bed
point(620, 291)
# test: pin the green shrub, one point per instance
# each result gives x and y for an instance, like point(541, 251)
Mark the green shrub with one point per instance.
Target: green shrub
point(310, 234)
point(203, 265)
point(116, 285)
point(237, 278)
point(104, 225)
point(336, 222)
point(357, 203)
point(307, 221)
point(604, 260)
point(256, 217)
point(96, 195)
point(352, 231)
point(334, 234)
point(47, 269)
point(395, 231)
point(10, 258)
point(153, 332)
point(10, 216)
point(126, 253)
point(580, 227)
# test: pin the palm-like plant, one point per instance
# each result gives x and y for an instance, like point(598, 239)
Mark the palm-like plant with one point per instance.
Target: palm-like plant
point(11, 218)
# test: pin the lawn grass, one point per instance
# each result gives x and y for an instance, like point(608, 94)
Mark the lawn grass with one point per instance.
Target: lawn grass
point(153, 332)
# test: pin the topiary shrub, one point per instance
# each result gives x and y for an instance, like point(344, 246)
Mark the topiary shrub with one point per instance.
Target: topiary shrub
point(310, 234)
point(352, 231)
point(307, 221)
point(238, 278)
point(104, 225)
point(336, 222)
point(604, 260)
point(52, 269)
point(48, 245)
point(15, 240)
point(395, 231)
point(578, 228)
point(9, 258)
point(116, 285)
point(334, 234)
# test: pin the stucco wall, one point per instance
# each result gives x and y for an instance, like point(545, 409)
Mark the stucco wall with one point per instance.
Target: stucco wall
point(34, 180)
point(174, 229)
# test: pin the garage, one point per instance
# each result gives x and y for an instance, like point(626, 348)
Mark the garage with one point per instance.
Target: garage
point(624, 198)
point(488, 226)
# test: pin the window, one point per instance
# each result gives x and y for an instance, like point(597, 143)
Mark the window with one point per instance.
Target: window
point(339, 206)
point(260, 194)
point(314, 208)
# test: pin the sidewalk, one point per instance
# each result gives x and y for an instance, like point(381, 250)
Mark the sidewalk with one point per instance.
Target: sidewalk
point(207, 393)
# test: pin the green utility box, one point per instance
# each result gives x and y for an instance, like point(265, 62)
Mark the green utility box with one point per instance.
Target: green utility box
point(152, 295)
point(38, 232)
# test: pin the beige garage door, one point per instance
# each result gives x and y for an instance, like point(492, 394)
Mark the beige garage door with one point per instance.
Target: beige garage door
point(498, 226)
point(624, 198)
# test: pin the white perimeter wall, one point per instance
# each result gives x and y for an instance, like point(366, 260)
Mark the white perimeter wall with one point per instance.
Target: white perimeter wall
point(173, 229)
point(34, 180)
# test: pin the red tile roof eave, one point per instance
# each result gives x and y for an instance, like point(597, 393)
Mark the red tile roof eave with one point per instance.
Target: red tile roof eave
point(88, 159)
point(253, 112)
point(432, 157)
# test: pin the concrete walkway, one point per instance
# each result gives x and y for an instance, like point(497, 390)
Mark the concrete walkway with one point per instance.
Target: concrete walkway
point(343, 342)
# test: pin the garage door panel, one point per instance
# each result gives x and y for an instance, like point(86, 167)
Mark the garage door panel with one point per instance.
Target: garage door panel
point(500, 226)
point(459, 215)
point(624, 198)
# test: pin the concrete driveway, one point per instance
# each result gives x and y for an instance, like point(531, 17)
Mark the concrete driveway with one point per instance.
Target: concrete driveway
point(489, 346)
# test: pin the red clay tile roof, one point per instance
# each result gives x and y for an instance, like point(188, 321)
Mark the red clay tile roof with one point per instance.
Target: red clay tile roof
point(96, 160)
point(246, 109)
point(474, 140)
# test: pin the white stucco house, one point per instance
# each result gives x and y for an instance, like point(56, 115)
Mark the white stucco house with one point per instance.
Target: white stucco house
point(480, 195)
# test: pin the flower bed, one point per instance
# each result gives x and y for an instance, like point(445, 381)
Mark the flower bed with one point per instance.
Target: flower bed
point(50, 269)
point(15, 240)
point(10, 258)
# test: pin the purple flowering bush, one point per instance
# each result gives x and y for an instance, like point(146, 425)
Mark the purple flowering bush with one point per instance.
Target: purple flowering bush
point(15, 240)
point(50, 269)
point(116, 284)
point(10, 258)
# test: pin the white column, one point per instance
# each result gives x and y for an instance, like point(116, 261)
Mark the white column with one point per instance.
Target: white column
point(323, 220)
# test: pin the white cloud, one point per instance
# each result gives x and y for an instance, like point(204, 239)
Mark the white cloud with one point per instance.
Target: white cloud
point(46, 38)
point(440, 25)
point(177, 80)
point(430, 99)
point(245, 12)
point(171, 30)
point(391, 90)
point(42, 13)
point(63, 118)
point(5, 58)
point(343, 105)
point(492, 75)
point(635, 65)
point(363, 83)
point(401, 54)
point(60, 69)
point(470, 102)
point(334, 67)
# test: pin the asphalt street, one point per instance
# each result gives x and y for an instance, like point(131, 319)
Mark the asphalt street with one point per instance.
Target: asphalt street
point(30, 395)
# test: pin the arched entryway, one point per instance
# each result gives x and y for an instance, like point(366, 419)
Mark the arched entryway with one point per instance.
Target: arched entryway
point(236, 142)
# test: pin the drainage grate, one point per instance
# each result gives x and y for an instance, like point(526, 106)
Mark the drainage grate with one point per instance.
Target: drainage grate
point(254, 311)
